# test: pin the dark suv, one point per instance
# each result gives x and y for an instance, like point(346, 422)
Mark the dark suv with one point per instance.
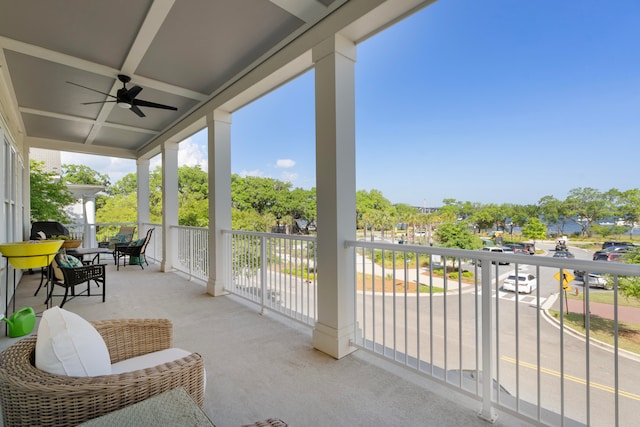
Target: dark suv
point(609, 243)
point(609, 250)
point(522, 248)
point(611, 256)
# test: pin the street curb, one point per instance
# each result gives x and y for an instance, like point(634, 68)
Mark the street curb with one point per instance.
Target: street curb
point(579, 335)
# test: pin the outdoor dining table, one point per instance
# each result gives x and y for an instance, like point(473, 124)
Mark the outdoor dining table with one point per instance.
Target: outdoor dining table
point(80, 253)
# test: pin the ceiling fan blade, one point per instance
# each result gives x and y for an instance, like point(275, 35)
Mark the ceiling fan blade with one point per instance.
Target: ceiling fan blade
point(134, 91)
point(97, 102)
point(104, 93)
point(143, 103)
point(136, 110)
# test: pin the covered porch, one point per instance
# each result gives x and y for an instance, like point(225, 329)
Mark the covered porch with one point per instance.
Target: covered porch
point(262, 366)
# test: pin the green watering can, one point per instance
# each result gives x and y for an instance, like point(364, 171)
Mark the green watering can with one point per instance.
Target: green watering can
point(21, 322)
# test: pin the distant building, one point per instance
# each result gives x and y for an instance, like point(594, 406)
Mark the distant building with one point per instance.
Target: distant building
point(51, 159)
point(83, 212)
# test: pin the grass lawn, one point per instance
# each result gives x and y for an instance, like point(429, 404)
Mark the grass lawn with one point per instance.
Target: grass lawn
point(602, 330)
point(370, 281)
point(606, 298)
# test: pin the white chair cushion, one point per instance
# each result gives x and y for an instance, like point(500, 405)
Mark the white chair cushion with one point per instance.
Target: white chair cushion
point(67, 344)
point(149, 360)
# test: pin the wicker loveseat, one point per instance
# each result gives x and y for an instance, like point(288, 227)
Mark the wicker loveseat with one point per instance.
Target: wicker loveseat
point(32, 397)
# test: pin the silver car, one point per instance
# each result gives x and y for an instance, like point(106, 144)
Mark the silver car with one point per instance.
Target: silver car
point(596, 280)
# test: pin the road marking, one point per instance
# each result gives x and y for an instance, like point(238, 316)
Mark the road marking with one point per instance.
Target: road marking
point(574, 379)
point(510, 296)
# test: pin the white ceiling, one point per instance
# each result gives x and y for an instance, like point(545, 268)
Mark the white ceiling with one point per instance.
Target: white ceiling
point(182, 53)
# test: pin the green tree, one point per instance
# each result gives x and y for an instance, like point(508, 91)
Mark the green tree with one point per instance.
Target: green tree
point(49, 197)
point(608, 230)
point(629, 286)
point(457, 235)
point(193, 196)
point(587, 206)
point(373, 210)
point(554, 211)
point(264, 195)
point(627, 206)
point(120, 208)
point(302, 204)
point(126, 185)
point(521, 214)
point(534, 229)
point(487, 217)
point(82, 174)
point(251, 220)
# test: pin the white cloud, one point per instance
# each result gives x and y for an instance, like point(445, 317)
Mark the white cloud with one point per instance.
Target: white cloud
point(285, 163)
point(192, 154)
point(114, 167)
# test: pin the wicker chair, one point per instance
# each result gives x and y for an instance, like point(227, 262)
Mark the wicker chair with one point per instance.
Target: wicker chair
point(32, 397)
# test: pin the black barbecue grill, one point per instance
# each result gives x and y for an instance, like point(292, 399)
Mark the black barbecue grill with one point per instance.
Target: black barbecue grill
point(49, 228)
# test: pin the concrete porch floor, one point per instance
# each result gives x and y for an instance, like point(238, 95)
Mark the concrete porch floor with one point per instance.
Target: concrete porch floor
point(263, 366)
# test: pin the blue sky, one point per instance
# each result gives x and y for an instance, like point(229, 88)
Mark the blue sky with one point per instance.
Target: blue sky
point(493, 101)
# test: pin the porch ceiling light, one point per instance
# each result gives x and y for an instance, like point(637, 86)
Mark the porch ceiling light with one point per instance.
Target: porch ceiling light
point(123, 104)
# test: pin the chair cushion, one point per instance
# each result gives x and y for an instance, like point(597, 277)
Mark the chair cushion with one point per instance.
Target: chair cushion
point(67, 344)
point(136, 260)
point(57, 273)
point(68, 261)
point(121, 238)
point(138, 242)
point(149, 360)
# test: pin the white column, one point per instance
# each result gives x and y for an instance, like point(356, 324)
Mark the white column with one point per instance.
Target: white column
point(89, 212)
point(219, 134)
point(26, 190)
point(334, 61)
point(142, 172)
point(169, 205)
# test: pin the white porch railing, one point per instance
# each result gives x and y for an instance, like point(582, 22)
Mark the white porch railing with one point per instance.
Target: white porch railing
point(455, 331)
point(459, 331)
point(276, 271)
point(193, 251)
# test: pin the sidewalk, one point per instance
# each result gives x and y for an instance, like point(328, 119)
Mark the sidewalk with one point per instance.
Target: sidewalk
point(625, 314)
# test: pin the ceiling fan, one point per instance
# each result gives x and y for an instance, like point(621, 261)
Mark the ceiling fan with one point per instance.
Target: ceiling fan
point(126, 98)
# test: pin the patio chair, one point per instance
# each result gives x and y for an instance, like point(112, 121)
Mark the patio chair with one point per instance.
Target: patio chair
point(124, 235)
point(135, 251)
point(69, 274)
point(31, 396)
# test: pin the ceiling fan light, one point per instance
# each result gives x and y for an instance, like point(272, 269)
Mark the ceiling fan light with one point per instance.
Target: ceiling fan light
point(123, 104)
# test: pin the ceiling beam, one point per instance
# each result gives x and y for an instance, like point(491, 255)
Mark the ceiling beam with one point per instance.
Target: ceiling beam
point(87, 121)
point(92, 67)
point(73, 147)
point(153, 21)
point(306, 10)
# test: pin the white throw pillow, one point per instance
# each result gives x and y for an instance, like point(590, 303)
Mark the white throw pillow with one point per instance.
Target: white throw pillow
point(67, 344)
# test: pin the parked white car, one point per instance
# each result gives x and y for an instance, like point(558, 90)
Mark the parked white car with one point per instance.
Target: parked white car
point(595, 280)
point(525, 283)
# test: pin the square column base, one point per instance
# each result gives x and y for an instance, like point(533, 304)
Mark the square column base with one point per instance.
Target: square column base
point(334, 342)
point(216, 288)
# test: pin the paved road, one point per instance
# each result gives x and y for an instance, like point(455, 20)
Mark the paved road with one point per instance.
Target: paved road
point(521, 349)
